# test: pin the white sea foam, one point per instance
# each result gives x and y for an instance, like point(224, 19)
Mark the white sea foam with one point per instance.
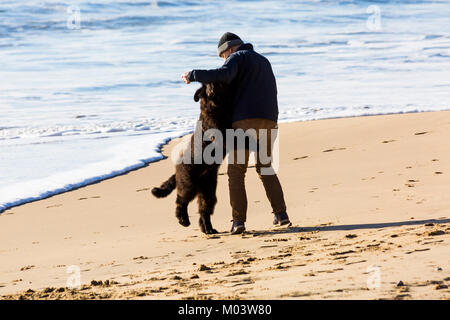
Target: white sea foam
point(132, 154)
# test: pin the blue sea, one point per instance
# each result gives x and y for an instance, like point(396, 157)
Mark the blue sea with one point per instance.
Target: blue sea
point(92, 89)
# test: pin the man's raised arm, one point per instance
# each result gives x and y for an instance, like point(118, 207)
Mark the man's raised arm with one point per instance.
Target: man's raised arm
point(226, 73)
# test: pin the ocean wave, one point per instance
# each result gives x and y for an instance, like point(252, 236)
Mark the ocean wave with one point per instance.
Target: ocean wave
point(154, 125)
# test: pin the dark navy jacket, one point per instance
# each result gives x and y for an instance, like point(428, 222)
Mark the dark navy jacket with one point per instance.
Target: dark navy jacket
point(253, 80)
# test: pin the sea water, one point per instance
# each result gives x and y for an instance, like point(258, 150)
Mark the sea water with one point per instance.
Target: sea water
point(90, 89)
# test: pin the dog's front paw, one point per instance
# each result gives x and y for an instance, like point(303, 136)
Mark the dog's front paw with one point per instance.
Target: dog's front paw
point(212, 231)
point(184, 221)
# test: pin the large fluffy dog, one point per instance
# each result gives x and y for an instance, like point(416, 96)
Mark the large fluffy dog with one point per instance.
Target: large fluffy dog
point(200, 180)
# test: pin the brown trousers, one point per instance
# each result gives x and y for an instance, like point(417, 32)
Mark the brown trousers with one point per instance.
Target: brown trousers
point(236, 172)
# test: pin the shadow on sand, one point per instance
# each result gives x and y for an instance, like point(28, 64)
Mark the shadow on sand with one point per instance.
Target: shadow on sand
point(346, 227)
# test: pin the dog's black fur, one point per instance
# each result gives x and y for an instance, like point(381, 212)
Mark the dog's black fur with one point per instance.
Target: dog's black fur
point(200, 180)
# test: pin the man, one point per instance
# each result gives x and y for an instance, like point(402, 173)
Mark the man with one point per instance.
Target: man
point(255, 107)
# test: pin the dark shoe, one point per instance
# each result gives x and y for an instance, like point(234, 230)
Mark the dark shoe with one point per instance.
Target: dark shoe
point(282, 219)
point(237, 227)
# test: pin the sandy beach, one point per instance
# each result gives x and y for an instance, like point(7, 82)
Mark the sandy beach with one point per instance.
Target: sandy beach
point(368, 198)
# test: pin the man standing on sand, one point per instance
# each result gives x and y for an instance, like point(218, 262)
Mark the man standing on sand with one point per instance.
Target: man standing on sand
point(255, 107)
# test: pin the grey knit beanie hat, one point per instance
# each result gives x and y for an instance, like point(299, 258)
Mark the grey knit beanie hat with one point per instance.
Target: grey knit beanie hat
point(227, 41)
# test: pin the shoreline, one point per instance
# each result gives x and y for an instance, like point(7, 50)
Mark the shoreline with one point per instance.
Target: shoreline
point(147, 162)
point(85, 183)
point(362, 193)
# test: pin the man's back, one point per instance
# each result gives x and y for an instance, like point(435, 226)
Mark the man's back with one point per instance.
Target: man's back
point(255, 86)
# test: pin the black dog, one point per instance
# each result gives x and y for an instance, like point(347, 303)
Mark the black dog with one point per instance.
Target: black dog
point(200, 180)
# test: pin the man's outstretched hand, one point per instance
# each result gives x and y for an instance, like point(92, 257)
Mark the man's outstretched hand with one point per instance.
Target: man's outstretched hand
point(185, 77)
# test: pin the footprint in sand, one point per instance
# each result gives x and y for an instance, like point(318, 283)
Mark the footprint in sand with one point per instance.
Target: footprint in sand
point(341, 253)
point(355, 262)
point(401, 296)
point(334, 149)
point(441, 286)
point(54, 206)
point(420, 133)
point(280, 266)
point(417, 250)
point(436, 233)
point(237, 273)
point(27, 268)
point(271, 246)
point(410, 183)
point(388, 141)
point(296, 294)
point(276, 240)
point(204, 268)
point(302, 157)
point(394, 235)
point(329, 271)
point(84, 198)
point(140, 258)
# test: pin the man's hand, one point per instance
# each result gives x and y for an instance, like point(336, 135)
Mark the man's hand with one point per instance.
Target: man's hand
point(185, 77)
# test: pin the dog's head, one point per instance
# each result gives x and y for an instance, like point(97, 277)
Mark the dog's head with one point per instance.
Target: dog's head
point(210, 91)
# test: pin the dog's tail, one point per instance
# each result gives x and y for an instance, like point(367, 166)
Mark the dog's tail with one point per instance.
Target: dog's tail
point(166, 188)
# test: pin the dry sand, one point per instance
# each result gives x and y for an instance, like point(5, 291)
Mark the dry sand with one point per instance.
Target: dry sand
point(368, 198)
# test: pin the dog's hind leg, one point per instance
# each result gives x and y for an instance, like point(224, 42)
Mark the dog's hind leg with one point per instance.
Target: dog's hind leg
point(206, 204)
point(181, 212)
point(182, 202)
